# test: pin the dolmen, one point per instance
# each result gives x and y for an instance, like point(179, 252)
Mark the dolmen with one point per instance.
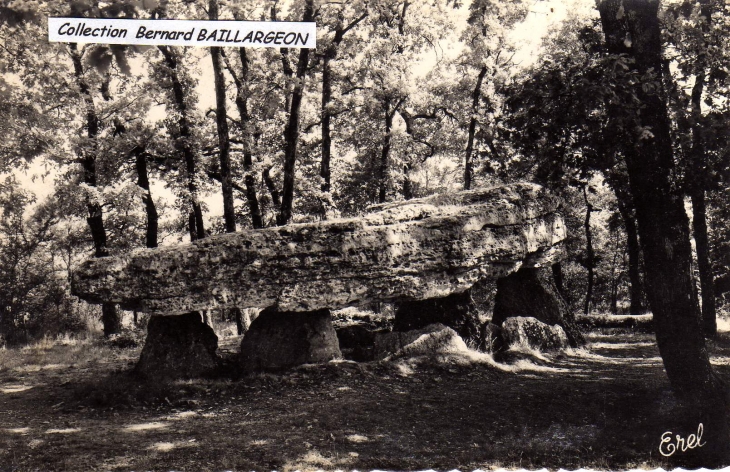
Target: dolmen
point(424, 255)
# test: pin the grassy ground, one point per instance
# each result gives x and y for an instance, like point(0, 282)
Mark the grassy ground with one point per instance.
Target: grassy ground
point(74, 406)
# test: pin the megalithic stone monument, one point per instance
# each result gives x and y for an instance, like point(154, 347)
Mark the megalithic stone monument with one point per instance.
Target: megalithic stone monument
point(404, 252)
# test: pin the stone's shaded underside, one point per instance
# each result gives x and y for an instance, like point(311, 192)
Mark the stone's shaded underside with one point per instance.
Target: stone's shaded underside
point(278, 340)
point(413, 250)
point(178, 347)
point(531, 292)
point(456, 311)
point(356, 342)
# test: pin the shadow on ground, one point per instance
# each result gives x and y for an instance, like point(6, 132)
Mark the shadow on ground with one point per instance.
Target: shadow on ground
point(604, 407)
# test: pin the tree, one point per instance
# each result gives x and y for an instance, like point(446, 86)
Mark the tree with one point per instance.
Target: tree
point(291, 133)
point(631, 28)
point(341, 28)
point(221, 118)
point(490, 53)
point(696, 37)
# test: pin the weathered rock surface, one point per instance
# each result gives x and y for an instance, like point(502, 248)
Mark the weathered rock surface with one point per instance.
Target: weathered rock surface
point(178, 347)
point(414, 250)
point(531, 333)
point(278, 340)
point(457, 311)
point(531, 292)
point(432, 339)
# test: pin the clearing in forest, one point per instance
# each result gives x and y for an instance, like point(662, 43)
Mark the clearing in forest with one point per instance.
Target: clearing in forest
point(75, 406)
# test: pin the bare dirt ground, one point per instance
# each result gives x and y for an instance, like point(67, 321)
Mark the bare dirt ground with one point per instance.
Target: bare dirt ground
point(77, 407)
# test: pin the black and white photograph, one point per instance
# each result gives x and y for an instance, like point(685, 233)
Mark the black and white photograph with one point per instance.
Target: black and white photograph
point(364, 235)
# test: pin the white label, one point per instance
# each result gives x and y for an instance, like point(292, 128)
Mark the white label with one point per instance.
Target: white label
point(272, 34)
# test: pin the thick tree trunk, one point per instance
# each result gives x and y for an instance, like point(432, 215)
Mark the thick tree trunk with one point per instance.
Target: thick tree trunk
point(636, 286)
point(150, 210)
point(291, 134)
point(664, 234)
point(468, 166)
point(195, 218)
point(221, 118)
point(110, 317)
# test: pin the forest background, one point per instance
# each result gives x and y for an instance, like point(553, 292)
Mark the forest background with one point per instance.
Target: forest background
point(111, 148)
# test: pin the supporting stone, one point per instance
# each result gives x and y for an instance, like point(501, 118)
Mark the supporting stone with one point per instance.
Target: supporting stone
point(178, 347)
point(531, 292)
point(533, 334)
point(427, 341)
point(278, 340)
point(457, 311)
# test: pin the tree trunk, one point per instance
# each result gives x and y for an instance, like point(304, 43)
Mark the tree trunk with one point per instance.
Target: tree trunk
point(329, 55)
point(407, 183)
point(383, 171)
point(195, 218)
point(636, 288)
point(324, 168)
point(699, 223)
point(149, 205)
point(275, 197)
point(468, 170)
point(697, 174)
point(291, 134)
point(221, 118)
point(590, 256)
point(664, 233)
point(239, 320)
point(242, 105)
point(110, 317)
point(615, 274)
point(559, 281)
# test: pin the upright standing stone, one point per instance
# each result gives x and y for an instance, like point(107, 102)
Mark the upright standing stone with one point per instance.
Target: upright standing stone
point(279, 340)
point(531, 292)
point(179, 347)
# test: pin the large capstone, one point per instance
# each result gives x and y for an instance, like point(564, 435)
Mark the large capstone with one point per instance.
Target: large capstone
point(278, 340)
point(178, 347)
point(531, 292)
point(419, 249)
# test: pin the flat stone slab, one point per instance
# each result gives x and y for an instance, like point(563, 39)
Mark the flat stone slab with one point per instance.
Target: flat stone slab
point(413, 250)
